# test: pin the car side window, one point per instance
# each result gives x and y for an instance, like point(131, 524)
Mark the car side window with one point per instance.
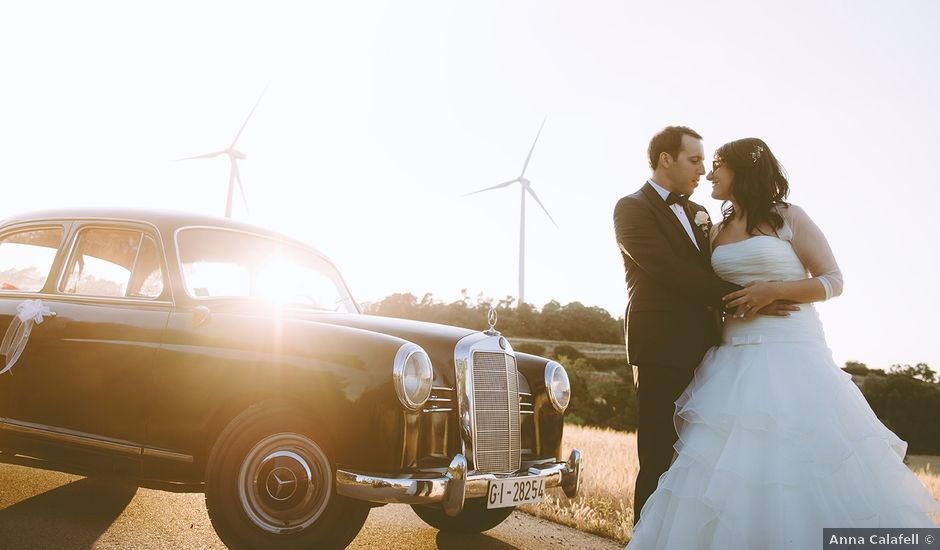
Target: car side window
point(114, 263)
point(146, 277)
point(26, 258)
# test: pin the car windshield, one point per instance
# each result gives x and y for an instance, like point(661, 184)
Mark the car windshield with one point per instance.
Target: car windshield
point(232, 264)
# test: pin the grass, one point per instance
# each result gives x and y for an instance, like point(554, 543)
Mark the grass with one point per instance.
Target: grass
point(927, 468)
point(605, 503)
point(924, 463)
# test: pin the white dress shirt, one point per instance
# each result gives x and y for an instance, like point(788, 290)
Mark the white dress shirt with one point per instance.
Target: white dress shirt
point(677, 210)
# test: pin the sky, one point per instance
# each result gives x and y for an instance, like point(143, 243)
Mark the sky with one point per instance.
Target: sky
point(377, 117)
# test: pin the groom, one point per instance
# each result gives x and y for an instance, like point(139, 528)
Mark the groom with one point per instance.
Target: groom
point(674, 297)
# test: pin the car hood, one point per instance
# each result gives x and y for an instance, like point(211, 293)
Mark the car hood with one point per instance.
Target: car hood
point(438, 340)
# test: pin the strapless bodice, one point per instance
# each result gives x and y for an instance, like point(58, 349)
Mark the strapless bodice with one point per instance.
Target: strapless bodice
point(765, 258)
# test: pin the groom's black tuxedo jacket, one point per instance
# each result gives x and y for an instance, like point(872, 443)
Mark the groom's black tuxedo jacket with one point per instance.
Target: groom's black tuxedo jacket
point(673, 294)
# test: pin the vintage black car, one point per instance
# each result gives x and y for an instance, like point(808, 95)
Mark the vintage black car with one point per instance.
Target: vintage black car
point(200, 353)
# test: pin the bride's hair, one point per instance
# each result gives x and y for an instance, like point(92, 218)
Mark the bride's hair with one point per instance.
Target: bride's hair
point(759, 185)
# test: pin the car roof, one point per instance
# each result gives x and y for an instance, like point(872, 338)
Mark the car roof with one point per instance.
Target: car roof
point(166, 221)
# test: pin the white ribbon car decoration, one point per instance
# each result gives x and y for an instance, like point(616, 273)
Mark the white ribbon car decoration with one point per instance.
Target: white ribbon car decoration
point(28, 313)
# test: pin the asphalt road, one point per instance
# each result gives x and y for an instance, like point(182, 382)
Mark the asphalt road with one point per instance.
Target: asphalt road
point(49, 510)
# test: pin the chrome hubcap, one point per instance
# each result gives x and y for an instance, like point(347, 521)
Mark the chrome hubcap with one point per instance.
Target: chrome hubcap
point(284, 483)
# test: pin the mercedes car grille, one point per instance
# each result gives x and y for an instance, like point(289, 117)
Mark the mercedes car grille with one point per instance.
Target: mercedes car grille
point(496, 413)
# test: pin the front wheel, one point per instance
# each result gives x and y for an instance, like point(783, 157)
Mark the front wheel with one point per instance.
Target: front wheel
point(270, 484)
point(474, 518)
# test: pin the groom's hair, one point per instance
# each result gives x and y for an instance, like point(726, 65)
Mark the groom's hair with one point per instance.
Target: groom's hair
point(668, 140)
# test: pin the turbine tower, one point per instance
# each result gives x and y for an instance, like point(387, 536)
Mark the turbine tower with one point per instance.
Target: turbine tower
point(234, 155)
point(525, 186)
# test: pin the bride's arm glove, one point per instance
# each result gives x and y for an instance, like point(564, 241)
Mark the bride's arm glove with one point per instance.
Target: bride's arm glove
point(639, 239)
point(813, 250)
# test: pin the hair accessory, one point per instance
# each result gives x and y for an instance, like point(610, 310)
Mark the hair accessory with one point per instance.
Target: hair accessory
point(755, 154)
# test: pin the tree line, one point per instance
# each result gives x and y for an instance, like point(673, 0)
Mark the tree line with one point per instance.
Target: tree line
point(905, 398)
point(572, 322)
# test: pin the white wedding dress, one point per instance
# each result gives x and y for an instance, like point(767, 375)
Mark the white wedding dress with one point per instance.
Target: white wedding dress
point(775, 441)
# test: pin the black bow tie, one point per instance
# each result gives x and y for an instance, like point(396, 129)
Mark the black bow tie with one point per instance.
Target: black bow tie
point(673, 198)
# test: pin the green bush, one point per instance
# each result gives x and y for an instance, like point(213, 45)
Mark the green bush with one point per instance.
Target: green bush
point(855, 367)
point(564, 350)
point(530, 348)
point(921, 371)
point(598, 399)
point(908, 407)
point(610, 364)
point(571, 418)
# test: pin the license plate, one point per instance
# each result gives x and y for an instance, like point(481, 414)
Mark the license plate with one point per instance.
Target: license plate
point(514, 491)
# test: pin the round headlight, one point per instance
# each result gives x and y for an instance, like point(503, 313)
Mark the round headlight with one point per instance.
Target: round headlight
point(413, 376)
point(557, 386)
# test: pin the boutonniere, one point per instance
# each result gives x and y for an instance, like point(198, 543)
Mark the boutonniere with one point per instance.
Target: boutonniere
point(703, 221)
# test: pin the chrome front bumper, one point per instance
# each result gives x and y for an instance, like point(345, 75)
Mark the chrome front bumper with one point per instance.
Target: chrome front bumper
point(455, 486)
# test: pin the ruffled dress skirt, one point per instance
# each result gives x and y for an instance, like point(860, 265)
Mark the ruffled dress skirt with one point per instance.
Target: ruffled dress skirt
point(776, 443)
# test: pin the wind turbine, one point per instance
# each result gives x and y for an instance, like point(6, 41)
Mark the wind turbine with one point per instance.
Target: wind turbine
point(234, 155)
point(525, 187)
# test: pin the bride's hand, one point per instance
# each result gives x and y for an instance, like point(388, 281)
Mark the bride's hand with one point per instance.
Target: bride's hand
point(751, 299)
point(779, 308)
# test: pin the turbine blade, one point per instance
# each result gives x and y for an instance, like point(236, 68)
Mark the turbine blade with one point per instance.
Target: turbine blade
point(504, 184)
point(529, 156)
point(206, 156)
point(239, 134)
point(536, 197)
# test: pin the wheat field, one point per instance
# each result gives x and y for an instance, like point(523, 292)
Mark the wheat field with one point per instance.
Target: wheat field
point(605, 504)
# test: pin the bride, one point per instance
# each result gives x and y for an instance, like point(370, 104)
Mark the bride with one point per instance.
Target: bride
point(775, 441)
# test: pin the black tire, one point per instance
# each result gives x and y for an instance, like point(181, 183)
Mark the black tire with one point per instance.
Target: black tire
point(270, 484)
point(474, 518)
